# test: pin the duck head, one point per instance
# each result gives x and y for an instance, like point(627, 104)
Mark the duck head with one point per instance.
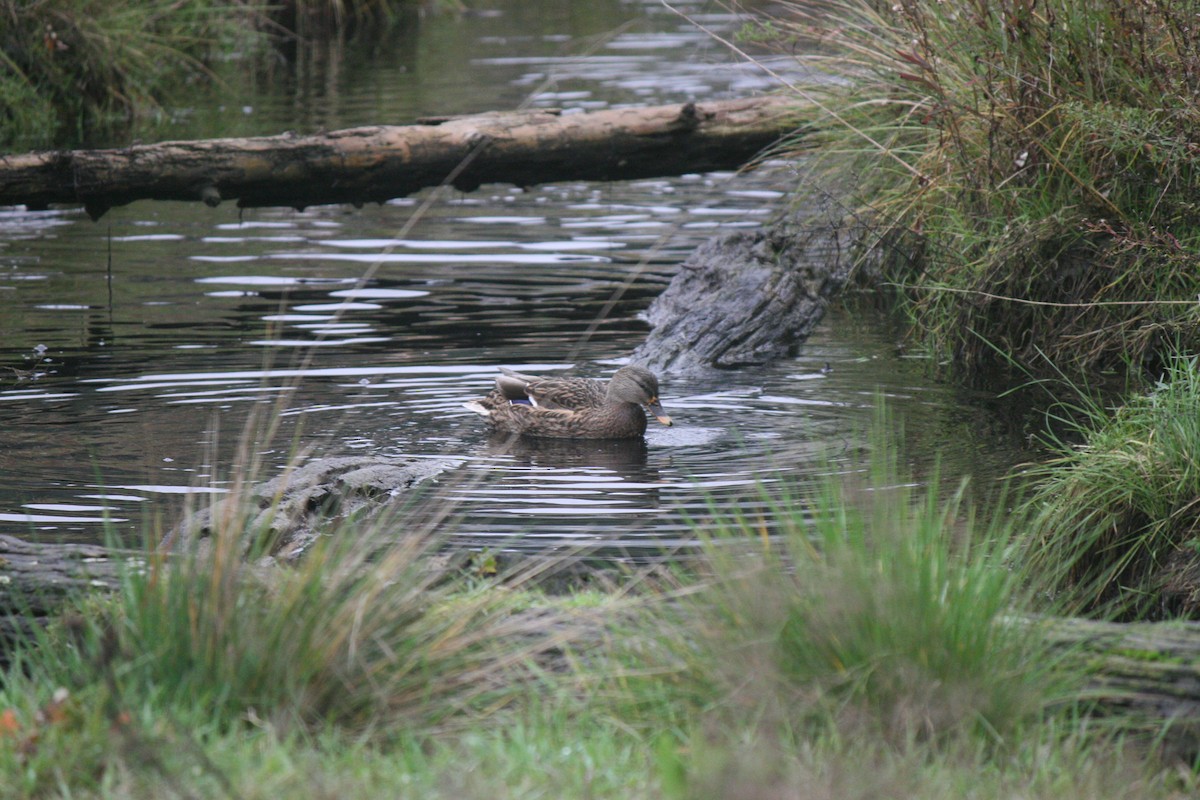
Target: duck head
point(639, 386)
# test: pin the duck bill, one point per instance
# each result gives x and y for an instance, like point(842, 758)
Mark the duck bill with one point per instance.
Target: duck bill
point(657, 410)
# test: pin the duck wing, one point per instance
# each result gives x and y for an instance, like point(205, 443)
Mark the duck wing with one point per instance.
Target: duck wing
point(568, 393)
point(551, 393)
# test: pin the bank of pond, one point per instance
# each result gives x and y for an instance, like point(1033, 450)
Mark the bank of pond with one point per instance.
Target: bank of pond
point(875, 620)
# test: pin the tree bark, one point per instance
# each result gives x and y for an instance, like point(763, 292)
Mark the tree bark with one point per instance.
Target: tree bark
point(36, 579)
point(374, 164)
point(749, 298)
point(1147, 670)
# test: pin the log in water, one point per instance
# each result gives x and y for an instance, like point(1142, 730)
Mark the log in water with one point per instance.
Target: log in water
point(378, 163)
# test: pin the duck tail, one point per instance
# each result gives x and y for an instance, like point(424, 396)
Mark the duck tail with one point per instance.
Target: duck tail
point(477, 407)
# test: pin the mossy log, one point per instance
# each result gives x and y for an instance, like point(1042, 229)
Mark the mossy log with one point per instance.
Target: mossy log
point(1148, 670)
point(36, 578)
point(378, 163)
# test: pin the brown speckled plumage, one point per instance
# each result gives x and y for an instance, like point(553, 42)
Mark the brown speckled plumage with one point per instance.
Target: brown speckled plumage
point(573, 408)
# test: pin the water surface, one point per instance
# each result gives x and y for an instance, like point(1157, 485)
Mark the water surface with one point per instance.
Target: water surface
point(136, 348)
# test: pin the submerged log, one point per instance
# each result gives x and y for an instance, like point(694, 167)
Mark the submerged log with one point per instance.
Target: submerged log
point(748, 298)
point(378, 163)
point(294, 509)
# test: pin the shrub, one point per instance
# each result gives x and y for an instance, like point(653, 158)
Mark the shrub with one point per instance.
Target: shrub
point(95, 63)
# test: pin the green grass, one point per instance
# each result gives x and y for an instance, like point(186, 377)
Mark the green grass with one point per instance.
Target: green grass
point(859, 646)
point(364, 637)
point(583, 758)
point(1116, 514)
point(1026, 170)
point(77, 68)
point(537, 755)
point(876, 606)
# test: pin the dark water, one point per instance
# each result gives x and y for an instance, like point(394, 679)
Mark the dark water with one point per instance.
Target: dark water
point(125, 387)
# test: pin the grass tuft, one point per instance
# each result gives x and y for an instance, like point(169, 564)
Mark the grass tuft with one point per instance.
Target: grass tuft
point(876, 616)
point(1117, 518)
point(365, 636)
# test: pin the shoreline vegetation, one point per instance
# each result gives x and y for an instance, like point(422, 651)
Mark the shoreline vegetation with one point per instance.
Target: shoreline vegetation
point(77, 70)
point(1026, 173)
point(1026, 170)
point(874, 626)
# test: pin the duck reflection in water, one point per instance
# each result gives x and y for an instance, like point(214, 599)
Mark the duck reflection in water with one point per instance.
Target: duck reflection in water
point(625, 457)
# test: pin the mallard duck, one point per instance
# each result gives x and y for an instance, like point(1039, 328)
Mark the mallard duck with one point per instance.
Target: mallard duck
point(573, 408)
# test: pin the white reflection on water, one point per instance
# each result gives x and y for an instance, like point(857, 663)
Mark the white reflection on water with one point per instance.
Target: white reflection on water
point(276, 280)
point(39, 519)
point(157, 380)
point(447, 258)
point(302, 343)
point(379, 293)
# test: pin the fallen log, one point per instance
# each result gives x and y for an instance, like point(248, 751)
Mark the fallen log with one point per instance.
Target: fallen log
point(748, 298)
point(37, 578)
point(1149, 668)
point(378, 163)
point(1147, 674)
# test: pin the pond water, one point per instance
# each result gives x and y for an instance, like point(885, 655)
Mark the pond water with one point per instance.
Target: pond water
point(136, 348)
